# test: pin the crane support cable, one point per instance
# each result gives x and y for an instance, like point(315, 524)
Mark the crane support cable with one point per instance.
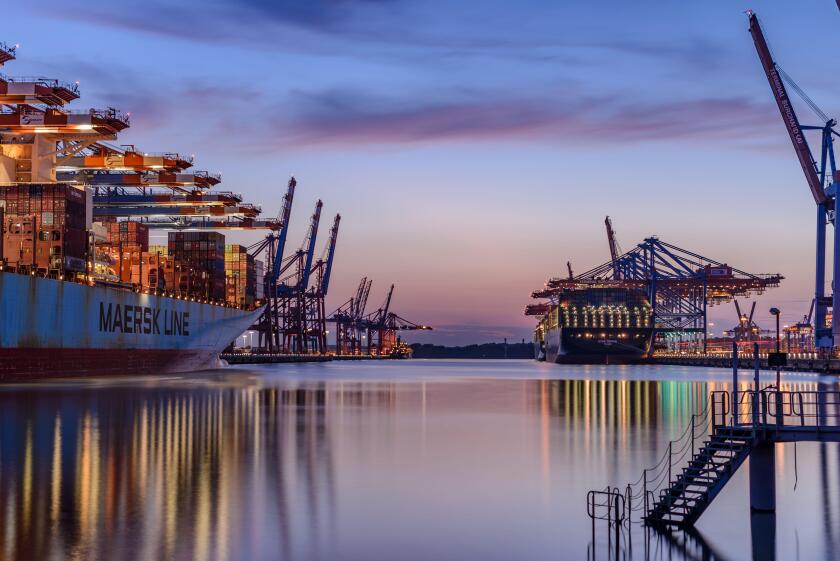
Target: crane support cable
point(801, 93)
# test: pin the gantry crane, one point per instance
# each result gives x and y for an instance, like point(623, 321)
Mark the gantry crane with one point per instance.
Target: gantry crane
point(297, 320)
point(746, 330)
point(382, 328)
point(820, 178)
point(317, 293)
point(274, 245)
point(349, 321)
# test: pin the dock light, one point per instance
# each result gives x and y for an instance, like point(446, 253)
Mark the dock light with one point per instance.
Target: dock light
point(84, 127)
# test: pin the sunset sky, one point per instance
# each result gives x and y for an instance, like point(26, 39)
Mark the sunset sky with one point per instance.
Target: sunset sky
point(471, 147)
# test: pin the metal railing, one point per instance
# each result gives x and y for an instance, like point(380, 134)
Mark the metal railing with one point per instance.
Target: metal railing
point(769, 408)
point(43, 81)
point(640, 496)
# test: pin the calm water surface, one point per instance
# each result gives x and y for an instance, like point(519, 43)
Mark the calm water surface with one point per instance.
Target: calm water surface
point(415, 460)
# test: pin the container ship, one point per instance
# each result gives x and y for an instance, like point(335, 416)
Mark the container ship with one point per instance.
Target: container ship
point(595, 325)
point(82, 291)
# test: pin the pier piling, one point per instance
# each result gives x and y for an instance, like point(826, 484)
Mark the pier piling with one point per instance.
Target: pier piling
point(763, 477)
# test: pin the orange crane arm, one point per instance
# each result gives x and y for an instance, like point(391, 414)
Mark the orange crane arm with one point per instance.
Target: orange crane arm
point(797, 136)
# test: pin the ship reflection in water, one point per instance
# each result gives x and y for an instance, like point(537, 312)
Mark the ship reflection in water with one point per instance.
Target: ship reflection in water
point(409, 460)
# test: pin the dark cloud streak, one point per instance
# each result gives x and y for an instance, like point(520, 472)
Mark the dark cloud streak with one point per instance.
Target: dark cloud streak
point(347, 118)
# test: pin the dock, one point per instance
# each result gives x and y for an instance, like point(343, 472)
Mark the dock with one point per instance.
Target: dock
point(279, 358)
point(796, 362)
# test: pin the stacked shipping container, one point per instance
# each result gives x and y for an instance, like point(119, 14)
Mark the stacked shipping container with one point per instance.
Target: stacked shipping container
point(201, 256)
point(126, 241)
point(240, 276)
point(44, 228)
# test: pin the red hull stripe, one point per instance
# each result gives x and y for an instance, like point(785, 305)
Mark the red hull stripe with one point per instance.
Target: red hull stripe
point(29, 363)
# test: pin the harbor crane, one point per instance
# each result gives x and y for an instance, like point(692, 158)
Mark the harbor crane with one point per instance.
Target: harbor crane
point(349, 319)
point(382, 327)
point(747, 329)
point(821, 179)
point(298, 331)
point(274, 245)
point(316, 294)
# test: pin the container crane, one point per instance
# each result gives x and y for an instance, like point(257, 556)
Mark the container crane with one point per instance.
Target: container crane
point(309, 251)
point(285, 215)
point(817, 176)
point(298, 319)
point(274, 245)
point(348, 319)
point(327, 262)
point(314, 298)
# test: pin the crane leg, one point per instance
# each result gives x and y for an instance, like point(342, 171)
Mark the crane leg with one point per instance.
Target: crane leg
point(819, 287)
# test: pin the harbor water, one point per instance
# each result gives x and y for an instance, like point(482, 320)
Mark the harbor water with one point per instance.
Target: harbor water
point(409, 460)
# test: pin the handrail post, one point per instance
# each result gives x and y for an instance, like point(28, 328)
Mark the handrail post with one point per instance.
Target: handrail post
point(692, 436)
point(629, 504)
point(734, 380)
point(670, 446)
point(780, 411)
point(617, 521)
point(644, 491)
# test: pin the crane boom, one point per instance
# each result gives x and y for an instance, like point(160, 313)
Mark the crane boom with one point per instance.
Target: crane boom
point(357, 299)
point(310, 246)
point(325, 279)
point(387, 303)
point(794, 128)
point(363, 301)
point(613, 245)
point(285, 214)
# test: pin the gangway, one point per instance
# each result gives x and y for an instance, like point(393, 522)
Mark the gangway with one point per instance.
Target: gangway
point(732, 427)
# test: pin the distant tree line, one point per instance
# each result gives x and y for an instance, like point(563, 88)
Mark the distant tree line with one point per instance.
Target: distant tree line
point(486, 350)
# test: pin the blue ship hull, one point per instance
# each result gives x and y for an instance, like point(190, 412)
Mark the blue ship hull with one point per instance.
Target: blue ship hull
point(51, 328)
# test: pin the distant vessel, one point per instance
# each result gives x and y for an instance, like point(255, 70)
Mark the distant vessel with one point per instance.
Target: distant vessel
point(58, 328)
point(596, 325)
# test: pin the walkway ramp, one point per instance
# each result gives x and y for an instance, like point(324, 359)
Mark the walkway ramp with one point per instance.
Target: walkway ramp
point(702, 479)
point(697, 466)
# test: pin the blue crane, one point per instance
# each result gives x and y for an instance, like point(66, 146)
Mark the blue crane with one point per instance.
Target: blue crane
point(820, 178)
point(309, 245)
point(285, 215)
point(330, 254)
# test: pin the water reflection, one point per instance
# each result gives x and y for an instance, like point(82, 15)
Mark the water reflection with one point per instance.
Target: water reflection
point(412, 468)
point(158, 474)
